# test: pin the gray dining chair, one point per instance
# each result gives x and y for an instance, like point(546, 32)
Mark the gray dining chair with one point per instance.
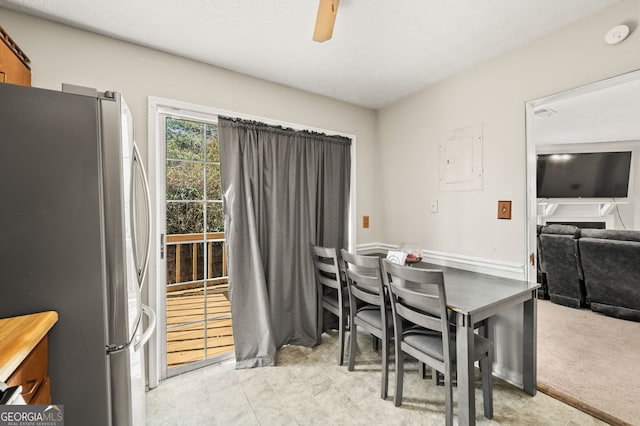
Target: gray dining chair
point(418, 297)
point(369, 308)
point(332, 292)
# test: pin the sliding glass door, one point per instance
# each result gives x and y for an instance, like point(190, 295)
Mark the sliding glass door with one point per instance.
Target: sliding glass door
point(198, 313)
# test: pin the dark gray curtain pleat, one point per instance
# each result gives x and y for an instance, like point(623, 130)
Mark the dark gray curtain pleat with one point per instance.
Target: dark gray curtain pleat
point(283, 190)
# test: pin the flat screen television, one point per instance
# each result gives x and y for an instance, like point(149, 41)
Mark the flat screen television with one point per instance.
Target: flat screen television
point(583, 175)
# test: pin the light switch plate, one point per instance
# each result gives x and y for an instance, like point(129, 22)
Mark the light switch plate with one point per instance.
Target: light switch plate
point(433, 207)
point(365, 221)
point(504, 210)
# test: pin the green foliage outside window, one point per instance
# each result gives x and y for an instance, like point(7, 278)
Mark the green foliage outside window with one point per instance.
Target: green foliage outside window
point(192, 153)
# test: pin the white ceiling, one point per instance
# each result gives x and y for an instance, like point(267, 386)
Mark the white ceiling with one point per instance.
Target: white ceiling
point(380, 51)
point(606, 111)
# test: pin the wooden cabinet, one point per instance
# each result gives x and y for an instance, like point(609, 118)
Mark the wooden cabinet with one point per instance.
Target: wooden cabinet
point(32, 375)
point(24, 355)
point(14, 64)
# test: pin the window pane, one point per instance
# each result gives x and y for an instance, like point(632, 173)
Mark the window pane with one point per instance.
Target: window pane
point(185, 181)
point(185, 343)
point(217, 260)
point(214, 184)
point(219, 336)
point(185, 262)
point(213, 152)
point(171, 264)
point(215, 217)
point(184, 139)
point(185, 218)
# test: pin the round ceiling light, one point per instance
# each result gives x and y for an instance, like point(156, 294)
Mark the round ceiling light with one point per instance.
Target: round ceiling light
point(616, 34)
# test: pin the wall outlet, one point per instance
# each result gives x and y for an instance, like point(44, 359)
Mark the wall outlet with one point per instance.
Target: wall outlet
point(365, 221)
point(433, 207)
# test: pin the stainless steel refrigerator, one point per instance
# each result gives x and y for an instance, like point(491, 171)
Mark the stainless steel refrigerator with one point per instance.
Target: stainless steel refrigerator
point(74, 238)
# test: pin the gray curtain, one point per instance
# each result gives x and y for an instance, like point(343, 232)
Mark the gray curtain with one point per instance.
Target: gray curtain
point(283, 190)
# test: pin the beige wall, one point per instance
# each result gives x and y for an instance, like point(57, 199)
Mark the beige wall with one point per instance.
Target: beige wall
point(397, 156)
point(63, 54)
point(492, 94)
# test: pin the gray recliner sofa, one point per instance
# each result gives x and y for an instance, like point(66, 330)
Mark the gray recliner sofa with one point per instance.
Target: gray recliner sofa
point(611, 266)
point(562, 265)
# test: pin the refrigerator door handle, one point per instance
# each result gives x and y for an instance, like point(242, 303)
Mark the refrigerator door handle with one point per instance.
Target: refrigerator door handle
point(115, 348)
point(146, 335)
point(141, 268)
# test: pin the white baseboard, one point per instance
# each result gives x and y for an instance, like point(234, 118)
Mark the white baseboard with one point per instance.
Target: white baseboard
point(459, 261)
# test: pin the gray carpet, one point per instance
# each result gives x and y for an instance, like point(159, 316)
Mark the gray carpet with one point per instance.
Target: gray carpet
point(592, 357)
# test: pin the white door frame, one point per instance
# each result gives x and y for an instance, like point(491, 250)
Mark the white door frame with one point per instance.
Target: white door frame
point(530, 203)
point(531, 159)
point(156, 161)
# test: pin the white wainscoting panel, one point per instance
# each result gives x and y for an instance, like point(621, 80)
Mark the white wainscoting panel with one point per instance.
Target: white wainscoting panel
point(459, 261)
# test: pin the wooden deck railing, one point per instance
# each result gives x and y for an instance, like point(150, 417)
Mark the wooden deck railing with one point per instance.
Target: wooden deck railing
point(198, 308)
point(194, 240)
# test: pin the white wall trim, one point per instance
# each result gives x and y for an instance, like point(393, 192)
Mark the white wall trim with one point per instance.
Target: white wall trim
point(371, 248)
point(475, 264)
point(459, 261)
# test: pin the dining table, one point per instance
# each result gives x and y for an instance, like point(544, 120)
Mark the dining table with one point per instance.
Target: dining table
point(475, 297)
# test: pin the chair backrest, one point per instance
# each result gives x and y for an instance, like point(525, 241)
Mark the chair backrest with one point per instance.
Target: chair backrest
point(364, 278)
point(327, 268)
point(418, 296)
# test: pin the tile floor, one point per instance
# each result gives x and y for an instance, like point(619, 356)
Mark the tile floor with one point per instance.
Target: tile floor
point(308, 387)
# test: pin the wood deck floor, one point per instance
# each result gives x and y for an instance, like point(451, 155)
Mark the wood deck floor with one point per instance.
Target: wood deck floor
point(186, 327)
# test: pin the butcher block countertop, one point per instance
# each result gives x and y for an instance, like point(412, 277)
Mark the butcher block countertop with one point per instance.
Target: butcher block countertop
point(18, 337)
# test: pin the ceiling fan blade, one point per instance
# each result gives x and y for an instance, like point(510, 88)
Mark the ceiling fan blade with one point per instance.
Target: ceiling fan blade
point(327, 11)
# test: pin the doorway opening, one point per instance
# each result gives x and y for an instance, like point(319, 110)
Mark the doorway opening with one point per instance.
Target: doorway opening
point(595, 118)
point(197, 313)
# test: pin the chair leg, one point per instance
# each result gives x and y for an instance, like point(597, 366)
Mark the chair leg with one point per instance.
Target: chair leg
point(448, 397)
point(353, 345)
point(487, 385)
point(436, 377)
point(375, 343)
point(483, 330)
point(397, 398)
point(385, 365)
point(341, 326)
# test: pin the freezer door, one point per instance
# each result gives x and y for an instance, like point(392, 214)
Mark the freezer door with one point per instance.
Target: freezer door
point(123, 306)
point(114, 168)
point(52, 236)
point(129, 245)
